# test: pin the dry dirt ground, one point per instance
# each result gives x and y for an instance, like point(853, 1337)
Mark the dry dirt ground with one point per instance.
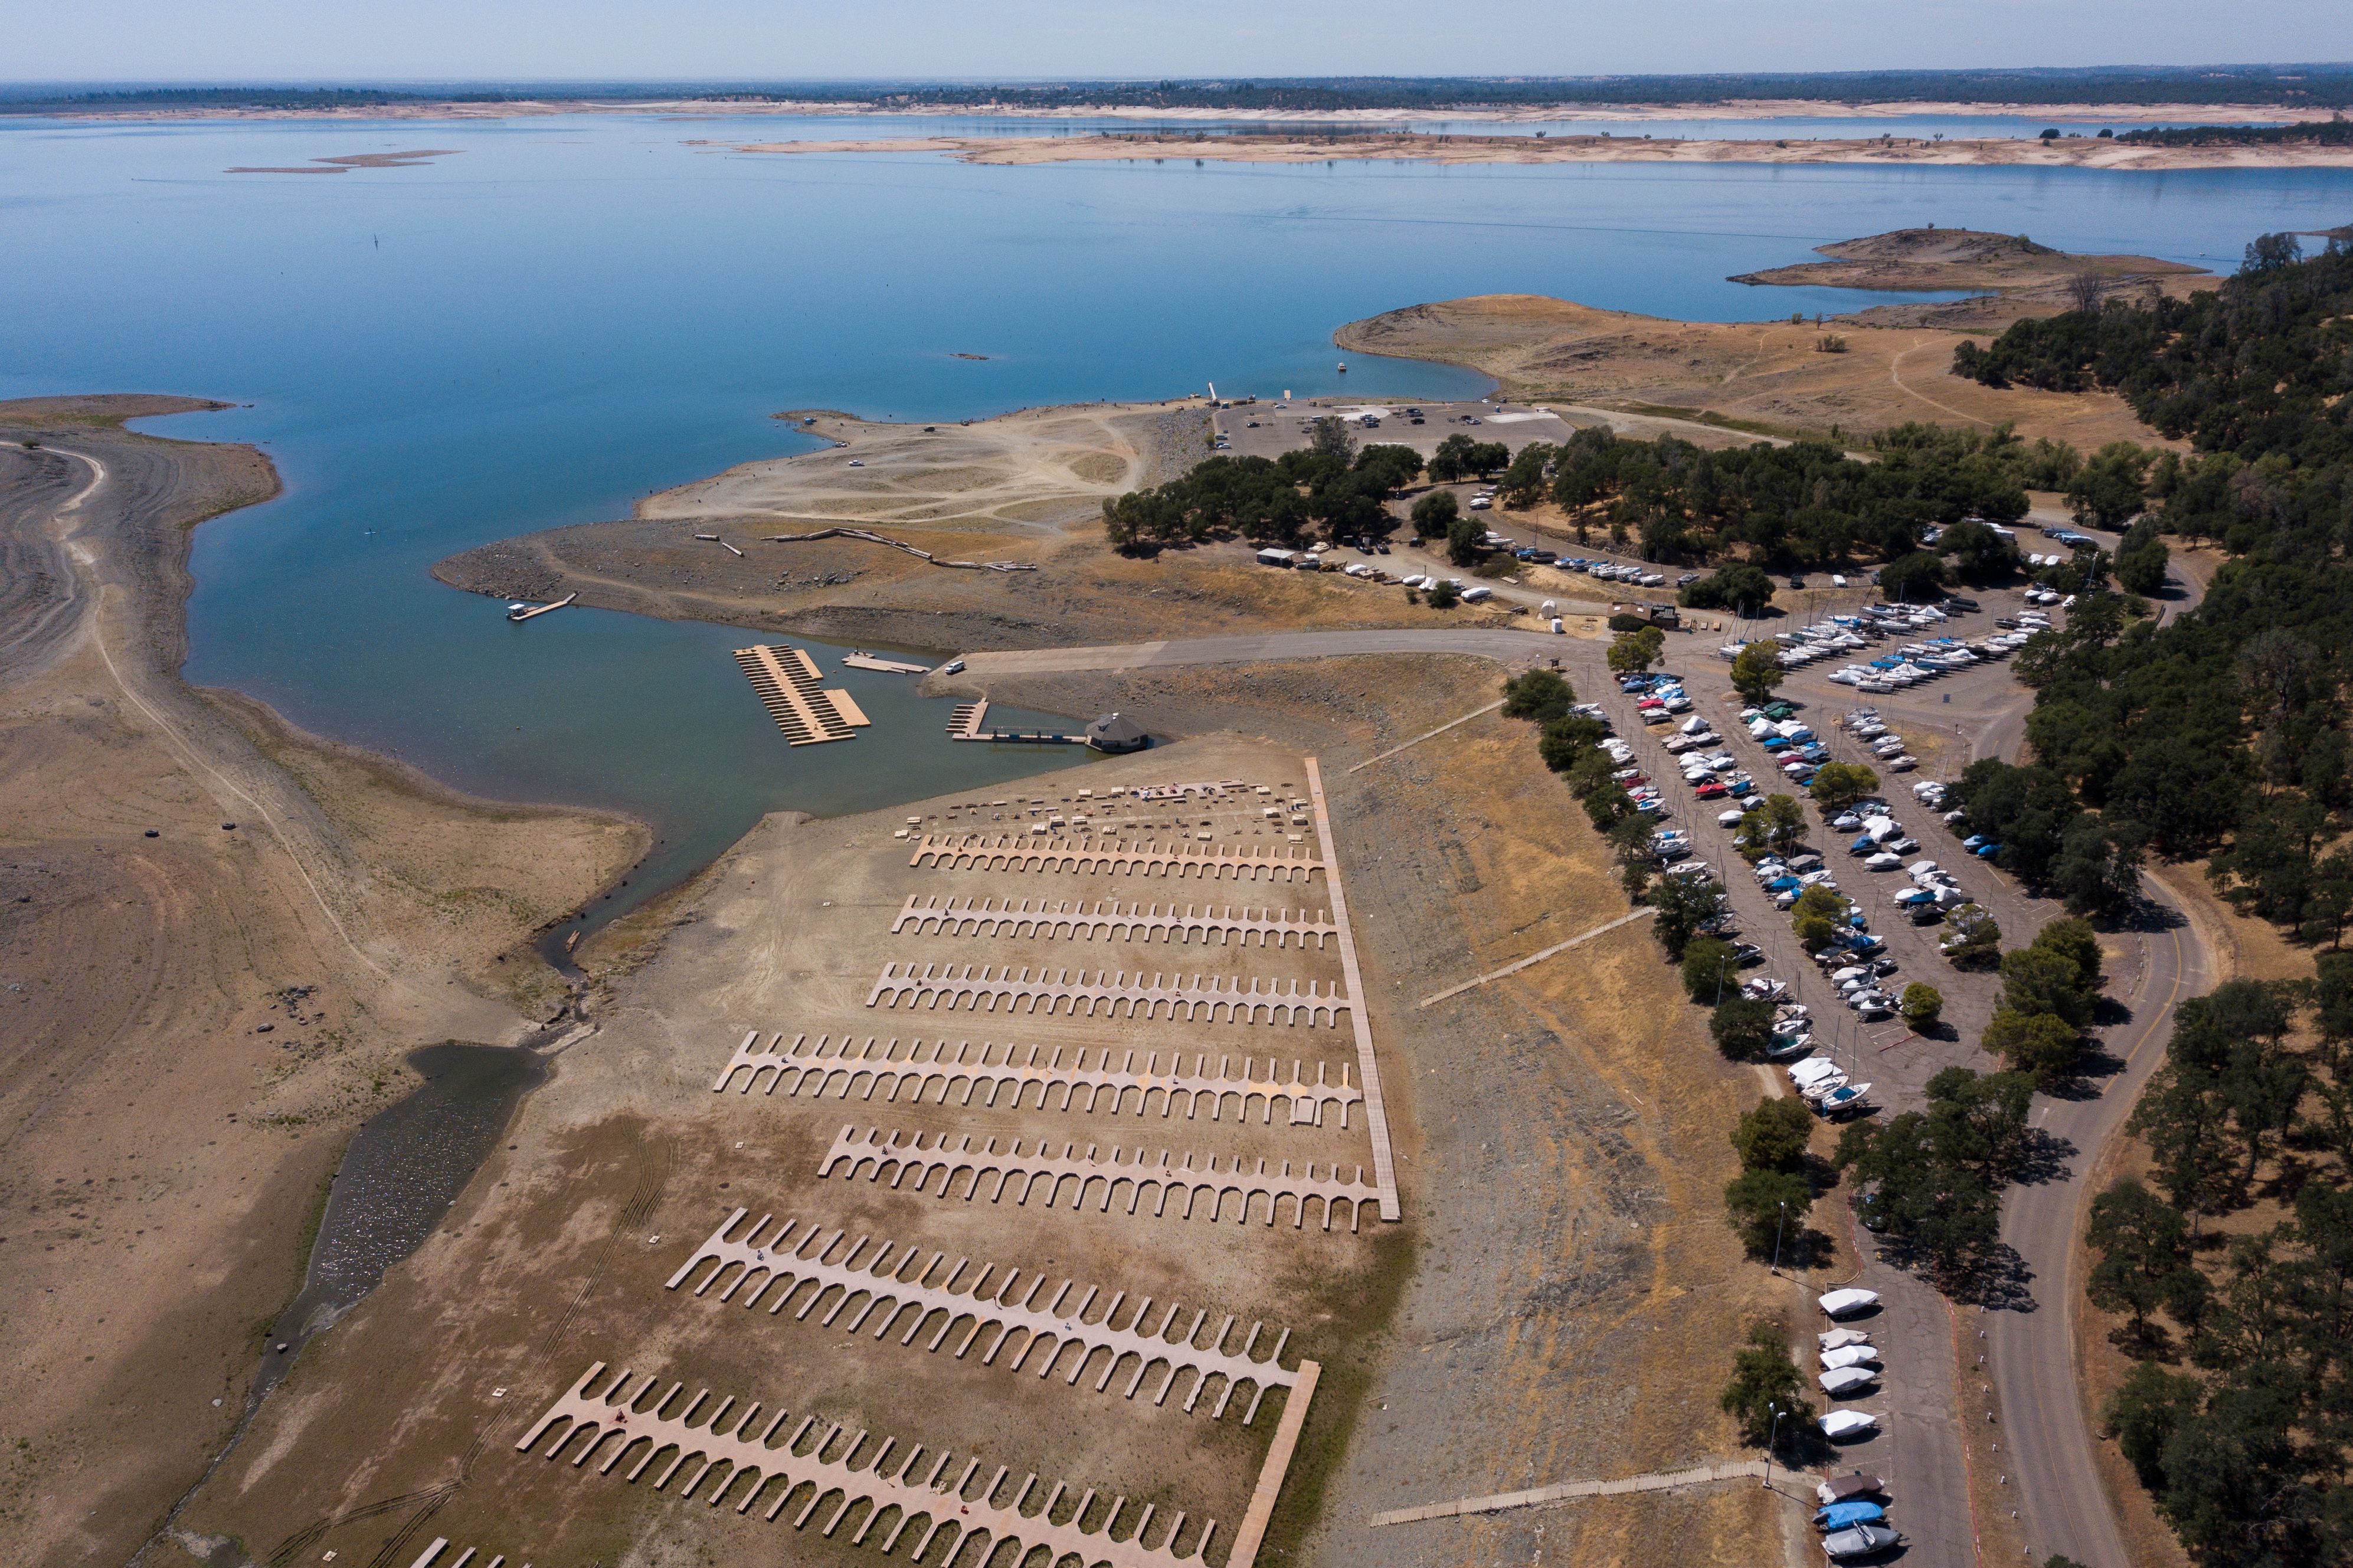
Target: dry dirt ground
point(2083, 152)
point(161, 1157)
point(1026, 487)
point(1766, 376)
point(1559, 1302)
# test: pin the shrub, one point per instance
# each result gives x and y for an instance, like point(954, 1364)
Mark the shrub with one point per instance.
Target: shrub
point(1921, 1004)
point(1773, 1136)
point(1743, 1028)
point(1444, 595)
point(1765, 1395)
point(1708, 968)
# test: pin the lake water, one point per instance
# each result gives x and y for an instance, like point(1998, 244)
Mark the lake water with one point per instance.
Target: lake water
point(575, 311)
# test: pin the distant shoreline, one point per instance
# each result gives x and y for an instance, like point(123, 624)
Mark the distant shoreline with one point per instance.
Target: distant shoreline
point(2063, 115)
point(2075, 152)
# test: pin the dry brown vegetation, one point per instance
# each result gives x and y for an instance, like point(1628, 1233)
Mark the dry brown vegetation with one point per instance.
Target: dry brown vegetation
point(2009, 275)
point(1764, 376)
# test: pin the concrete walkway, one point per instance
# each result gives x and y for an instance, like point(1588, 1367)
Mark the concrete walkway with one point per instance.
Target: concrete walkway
point(1560, 1492)
point(1483, 642)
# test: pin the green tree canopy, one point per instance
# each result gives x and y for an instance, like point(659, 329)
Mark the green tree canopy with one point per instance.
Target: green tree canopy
point(1541, 695)
point(1837, 786)
point(1632, 652)
point(1756, 670)
point(1774, 1134)
point(1709, 970)
point(1741, 1028)
point(1766, 1395)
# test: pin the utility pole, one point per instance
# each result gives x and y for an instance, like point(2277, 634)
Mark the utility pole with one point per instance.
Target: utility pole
point(1778, 1227)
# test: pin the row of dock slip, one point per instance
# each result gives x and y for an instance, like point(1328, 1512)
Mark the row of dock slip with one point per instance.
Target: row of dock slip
point(786, 680)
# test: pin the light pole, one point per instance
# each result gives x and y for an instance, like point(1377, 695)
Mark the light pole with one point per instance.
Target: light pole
point(1770, 1439)
point(1778, 1227)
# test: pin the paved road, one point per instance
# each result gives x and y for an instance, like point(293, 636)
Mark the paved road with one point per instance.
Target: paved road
point(2063, 1509)
point(2063, 1506)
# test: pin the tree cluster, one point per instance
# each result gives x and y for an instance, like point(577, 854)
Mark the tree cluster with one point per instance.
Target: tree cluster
point(1804, 503)
point(2221, 733)
point(1276, 500)
point(1931, 1181)
point(2244, 1449)
point(2049, 990)
point(2048, 840)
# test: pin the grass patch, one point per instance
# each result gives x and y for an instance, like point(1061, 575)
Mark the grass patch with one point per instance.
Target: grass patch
point(1362, 1304)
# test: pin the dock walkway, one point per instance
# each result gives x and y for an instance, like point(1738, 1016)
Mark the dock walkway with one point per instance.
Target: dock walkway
point(787, 680)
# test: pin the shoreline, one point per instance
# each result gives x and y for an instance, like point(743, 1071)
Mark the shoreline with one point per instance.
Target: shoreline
point(227, 938)
point(1730, 108)
point(2074, 153)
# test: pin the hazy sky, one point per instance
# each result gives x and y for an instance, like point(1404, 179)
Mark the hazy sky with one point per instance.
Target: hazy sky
point(280, 39)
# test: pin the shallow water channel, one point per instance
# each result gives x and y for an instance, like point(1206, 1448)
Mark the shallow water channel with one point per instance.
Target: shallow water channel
point(403, 1169)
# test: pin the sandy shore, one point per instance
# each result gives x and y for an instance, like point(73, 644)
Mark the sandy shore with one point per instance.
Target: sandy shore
point(2080, 153)
point(218, 938)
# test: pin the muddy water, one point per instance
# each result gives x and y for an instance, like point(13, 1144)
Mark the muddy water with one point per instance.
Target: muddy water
point(401, 1174)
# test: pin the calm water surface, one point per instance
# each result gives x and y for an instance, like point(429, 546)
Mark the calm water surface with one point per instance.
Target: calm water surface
point(573, 311)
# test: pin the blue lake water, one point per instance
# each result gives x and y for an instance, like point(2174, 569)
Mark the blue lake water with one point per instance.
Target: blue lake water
point(575, 311)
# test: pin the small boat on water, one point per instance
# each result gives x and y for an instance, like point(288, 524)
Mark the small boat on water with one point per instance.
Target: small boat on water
point(1344, 367)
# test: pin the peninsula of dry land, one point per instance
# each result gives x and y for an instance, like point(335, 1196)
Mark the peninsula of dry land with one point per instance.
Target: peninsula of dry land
point(1027, 488)
point(218, 939)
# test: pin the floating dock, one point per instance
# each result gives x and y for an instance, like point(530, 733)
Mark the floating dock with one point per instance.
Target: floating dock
point(525, 615)
point(861, 659)
point(964, 725)
point(786, 680)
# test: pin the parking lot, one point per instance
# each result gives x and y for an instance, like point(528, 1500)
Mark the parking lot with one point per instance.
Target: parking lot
point(1916, 1446)
point(1269, 429)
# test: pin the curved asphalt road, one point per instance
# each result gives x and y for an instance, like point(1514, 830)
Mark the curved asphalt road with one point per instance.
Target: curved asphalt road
point(2062, 1507)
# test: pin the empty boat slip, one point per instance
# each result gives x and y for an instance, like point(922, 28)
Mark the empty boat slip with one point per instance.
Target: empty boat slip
point(786, 680)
